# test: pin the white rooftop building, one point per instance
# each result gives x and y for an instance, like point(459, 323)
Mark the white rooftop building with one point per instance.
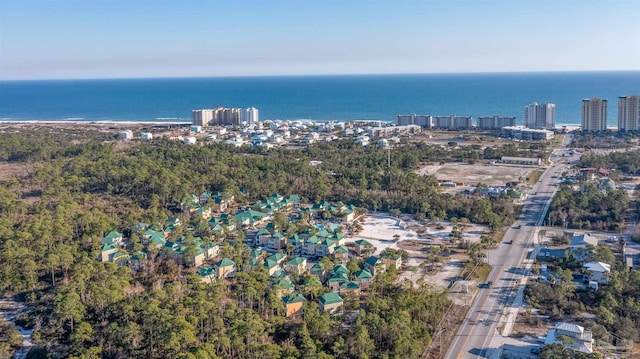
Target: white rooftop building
point(580, 338)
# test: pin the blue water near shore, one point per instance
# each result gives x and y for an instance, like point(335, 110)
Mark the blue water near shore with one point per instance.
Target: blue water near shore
point(343, 97)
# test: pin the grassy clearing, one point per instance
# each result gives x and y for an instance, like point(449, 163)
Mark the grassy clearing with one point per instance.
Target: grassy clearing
point(480, 273)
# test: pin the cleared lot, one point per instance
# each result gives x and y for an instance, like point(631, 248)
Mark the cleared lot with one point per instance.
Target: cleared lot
point(489, 174)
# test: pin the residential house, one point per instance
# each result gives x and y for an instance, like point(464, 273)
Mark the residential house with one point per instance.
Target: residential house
point(225, 268)
point(331, 303)
point(272, 263)
point(341, 253)
point(282, 287)
point(310, 246)
point(293, 303)
point(277, 241)
point(207, 274)
point(262, 237)
point(364, 278)
point(319, 271)
point(364, 248)
point(107, 252)
point(350, 289)
point(571, 336)
point(394, 259)
point(582, 246)
point(173, 221)
point(326, 248)
point(336, 279)
point(598, 272)
point(297, 265)
point(375, 265)
point(113, 237)
point(251, 217)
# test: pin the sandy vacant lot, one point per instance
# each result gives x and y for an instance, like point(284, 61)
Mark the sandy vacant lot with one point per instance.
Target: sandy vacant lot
point(489, 174)
point(380, 228)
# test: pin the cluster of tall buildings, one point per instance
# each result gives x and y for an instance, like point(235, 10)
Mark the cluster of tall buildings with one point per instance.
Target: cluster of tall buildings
point(594, 114)
point(224, 116)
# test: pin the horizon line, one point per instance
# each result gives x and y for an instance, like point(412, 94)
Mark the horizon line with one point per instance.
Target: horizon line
point(321, 75)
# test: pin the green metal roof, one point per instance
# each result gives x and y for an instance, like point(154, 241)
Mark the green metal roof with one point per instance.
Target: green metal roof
point(331, 298)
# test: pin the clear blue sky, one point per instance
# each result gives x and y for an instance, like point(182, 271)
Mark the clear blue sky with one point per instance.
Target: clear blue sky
point(52, 39)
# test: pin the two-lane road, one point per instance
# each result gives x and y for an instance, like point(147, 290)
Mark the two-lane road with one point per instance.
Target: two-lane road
point(475, 334)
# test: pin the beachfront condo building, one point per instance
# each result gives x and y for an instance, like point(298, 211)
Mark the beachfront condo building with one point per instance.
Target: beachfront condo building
point(224, 116)
point(413, 119)
point(540, 115)
point(452, 122)
point(494, 122)
point(249, 115)
point(629, 113)
point(594, 114)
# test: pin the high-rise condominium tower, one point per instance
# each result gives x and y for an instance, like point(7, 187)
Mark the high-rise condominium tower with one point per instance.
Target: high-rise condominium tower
point(629, 113)
point(540, 115)
point(594, 114)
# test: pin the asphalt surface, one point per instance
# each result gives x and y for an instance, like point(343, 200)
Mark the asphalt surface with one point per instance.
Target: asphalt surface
point(477, 335)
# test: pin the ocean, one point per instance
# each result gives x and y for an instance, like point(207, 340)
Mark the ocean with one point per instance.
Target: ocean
point(339, 97)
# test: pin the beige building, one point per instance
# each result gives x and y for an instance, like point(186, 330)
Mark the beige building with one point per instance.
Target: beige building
point(629, 113)
point(594, 114)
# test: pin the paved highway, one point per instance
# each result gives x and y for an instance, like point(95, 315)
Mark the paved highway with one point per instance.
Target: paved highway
point(475, 334)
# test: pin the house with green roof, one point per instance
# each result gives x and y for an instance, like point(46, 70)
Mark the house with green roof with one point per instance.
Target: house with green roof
point(251, 217)
point(294, 303)
point(113, 237)
point(277, 241)
point(207, 274)
point(331, 303)
point(339, 238)
point(174, 221)
point(297, 241)
point(364, 278)
point(364, 248)
point(310, 246)
point(336, 279)
point(282, 287)
point(157, 239)
point(319, 271)
point(138, 228)
point(341, 253)
point(375, 265)
point(392, 259)
point(326, 248)
point(297, 265)
point(107, 251)
point(225, 268)
point(350, 289)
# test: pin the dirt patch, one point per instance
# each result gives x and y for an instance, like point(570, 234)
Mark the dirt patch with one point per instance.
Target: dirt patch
point(17, 170)
point(471, 174)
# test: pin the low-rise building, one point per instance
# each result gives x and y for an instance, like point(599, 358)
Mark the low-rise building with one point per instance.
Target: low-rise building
point(575, 337)
point(331, 303)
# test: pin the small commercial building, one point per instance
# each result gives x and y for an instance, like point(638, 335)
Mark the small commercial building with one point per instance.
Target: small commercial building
point(521, 161)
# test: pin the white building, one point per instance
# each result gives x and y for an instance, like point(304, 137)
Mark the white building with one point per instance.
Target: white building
point(540, 116)
point(452, 122)
point(599, 272)
point(594, 114)
point(413, 119)
point(523, 133)
point(190, 141)
point(629, 113)
point(494, 122)
point(146, 136)
point(126, 135)
point(249, 115)
point(581, 339)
